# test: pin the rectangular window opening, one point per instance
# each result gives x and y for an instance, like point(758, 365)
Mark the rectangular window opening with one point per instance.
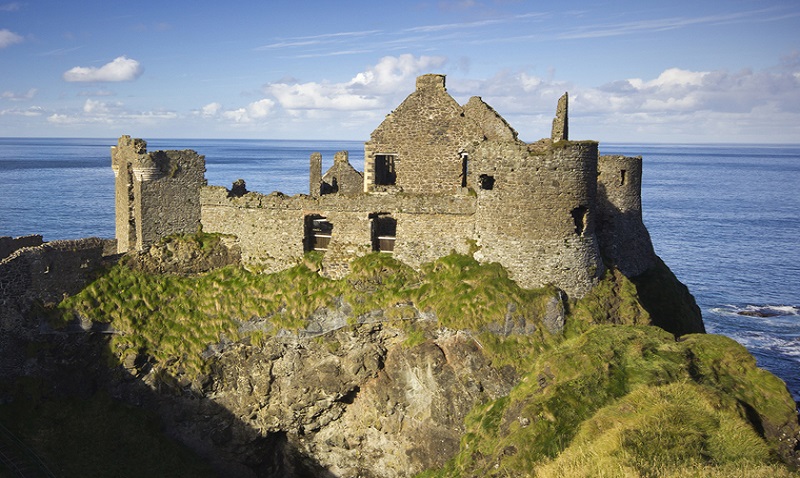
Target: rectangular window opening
point(385, 174)
point(384, 232)
point(318, 233)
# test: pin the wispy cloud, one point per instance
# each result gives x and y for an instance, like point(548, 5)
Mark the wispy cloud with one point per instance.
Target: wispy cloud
point(10, 7)
point(8, 38)
point(325, 38)
point(14, 96)
point(120, 69)
point(658, 24)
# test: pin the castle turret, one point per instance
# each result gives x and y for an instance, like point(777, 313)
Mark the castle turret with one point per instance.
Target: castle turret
point(536, 213)
point(624, 240)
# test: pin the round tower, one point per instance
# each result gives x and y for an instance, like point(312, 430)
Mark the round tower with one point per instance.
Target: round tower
point(624, 240)
point(536, 212)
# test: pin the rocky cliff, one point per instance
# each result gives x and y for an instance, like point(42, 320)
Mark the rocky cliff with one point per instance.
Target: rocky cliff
point(390, 372)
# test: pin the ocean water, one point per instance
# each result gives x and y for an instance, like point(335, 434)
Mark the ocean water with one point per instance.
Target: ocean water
point(726, 219)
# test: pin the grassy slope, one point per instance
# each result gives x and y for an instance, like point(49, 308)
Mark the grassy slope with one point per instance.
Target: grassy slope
point(631, 401)
point(594, 403)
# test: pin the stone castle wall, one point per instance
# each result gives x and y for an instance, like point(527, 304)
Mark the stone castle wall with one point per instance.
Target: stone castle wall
point(157, 194)
point(10, 244)
point(48, 271)
point(272, 228)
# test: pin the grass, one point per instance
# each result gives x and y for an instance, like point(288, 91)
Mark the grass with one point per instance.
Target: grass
point(629, 401)
point(171, 320)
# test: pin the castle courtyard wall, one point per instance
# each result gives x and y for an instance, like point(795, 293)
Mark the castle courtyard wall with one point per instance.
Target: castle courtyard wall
point(271, 228)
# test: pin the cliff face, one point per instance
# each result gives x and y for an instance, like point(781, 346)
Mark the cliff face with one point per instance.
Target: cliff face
point(391, 372)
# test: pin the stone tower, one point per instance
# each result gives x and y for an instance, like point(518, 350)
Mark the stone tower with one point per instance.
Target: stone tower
point(536, 212)
point(156, 194)
point(623, 236)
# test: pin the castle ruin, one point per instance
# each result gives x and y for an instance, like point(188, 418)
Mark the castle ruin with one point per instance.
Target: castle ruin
point(438, 177)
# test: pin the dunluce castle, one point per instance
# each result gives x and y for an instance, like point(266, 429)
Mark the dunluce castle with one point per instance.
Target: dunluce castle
point(438, 177)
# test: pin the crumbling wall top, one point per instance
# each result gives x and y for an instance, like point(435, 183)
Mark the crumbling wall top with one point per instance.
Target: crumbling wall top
point(561, 121)
point(431, 81)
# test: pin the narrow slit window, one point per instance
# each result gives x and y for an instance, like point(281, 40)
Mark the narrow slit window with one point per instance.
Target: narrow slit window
point(580, 216)
point(622, 177)
point(464, 169)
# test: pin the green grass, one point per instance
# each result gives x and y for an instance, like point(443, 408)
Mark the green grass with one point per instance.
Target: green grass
point(630, 401)
point(172, 319)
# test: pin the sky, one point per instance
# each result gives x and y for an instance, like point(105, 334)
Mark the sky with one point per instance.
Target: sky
point(636, 71)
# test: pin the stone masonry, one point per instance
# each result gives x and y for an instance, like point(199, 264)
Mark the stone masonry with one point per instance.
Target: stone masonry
point(157, 194)
point(438, 178)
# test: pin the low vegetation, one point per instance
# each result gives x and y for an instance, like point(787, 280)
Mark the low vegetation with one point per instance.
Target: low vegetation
point(631, 401)
point(611, 396)
point(171, 319)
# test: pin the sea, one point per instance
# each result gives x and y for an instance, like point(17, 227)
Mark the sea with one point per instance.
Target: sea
point(724, 217)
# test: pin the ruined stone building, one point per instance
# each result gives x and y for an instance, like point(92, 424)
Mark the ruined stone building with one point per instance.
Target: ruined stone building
point(438, 177)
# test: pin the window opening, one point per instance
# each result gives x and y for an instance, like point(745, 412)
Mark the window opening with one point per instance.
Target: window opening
point(384, 232)
point(464, 169)
point(486, 182)
point(318, 233)
point(579, 217)
point(385, 173)
point(622, 177)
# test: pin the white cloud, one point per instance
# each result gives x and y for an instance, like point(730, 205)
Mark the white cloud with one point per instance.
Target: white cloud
point(257, 110)
point(670, 78)
point(109, 114)
point(8, 38)
point(373, 89)
point(119, 69)
point(10, 95)
point(210, 110)
point(393, 72)
point(33, 111)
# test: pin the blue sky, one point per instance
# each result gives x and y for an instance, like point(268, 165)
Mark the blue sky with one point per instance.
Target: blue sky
point(637, 71)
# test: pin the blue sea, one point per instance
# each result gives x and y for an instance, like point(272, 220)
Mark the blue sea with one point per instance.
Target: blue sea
point(725, 218)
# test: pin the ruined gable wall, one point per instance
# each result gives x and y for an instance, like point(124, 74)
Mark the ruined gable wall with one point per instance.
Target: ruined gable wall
point(167, 194)
point(494, 126)
point(342, 177)
point(427, 132)
point(526, 221)
point(624, 239)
